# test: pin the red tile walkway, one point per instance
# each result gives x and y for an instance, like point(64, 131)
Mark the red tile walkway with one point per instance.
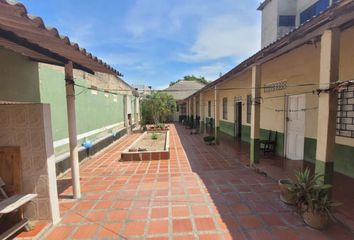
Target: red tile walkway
point(200, 193)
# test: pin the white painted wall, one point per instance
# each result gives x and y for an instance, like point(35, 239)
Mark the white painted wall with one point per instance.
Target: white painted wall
point(270, 14)
point(269, 23)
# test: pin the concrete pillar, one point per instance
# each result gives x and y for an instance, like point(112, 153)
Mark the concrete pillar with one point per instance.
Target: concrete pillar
point(216, 114)
point(126, 120)
point(195, 111)
point(71, 112)
point(201, 112)
point(255, 114)
point(327, 105)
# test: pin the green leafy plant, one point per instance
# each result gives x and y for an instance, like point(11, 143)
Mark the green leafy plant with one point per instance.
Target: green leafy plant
point(311, 193)
point(154, 136)
point(156, 107)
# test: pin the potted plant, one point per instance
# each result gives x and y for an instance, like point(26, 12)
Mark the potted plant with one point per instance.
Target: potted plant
point(287, 195)
point(312, 199)
point(318, 209)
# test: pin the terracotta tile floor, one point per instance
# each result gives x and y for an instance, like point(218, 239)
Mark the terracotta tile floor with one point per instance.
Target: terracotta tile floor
point(277, 167)
point(202, 192)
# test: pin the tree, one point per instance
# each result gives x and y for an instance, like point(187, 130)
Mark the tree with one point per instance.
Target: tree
point(157, 107)
point(191, 78)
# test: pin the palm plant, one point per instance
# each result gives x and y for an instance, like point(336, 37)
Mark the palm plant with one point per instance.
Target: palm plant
point(313, 198)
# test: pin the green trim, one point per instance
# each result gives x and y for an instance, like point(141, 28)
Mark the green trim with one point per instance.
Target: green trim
point(254, 151)
point(227, 127)
point(326, 169)
point(279, 149)
point(343, 156)
point(343, 159)
point(246, 133)
point(310, 147)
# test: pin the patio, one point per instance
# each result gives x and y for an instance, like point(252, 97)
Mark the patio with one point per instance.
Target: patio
point(203, 192)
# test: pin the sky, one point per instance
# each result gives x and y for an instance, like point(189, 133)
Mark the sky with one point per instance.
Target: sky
point(155, 42)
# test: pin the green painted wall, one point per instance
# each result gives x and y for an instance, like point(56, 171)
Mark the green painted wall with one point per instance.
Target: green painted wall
point(18, 78)
point(92, 111)
point(343, 156)
point(310, 149)
point(246, 133)
point(227, 127)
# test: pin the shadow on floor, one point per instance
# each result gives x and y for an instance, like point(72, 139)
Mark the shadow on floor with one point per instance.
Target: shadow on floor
point(247, 202)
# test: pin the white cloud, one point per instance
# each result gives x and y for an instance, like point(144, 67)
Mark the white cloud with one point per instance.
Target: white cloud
point(224, 36)
point(211, 72)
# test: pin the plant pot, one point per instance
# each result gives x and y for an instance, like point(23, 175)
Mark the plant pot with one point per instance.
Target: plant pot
point(286, 196)
point(315, 219)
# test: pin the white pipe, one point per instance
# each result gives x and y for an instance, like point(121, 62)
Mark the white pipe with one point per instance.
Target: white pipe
point(71, 112)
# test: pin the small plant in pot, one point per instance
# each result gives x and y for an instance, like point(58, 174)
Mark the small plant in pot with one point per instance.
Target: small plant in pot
point(312, 198)
point(287, 195)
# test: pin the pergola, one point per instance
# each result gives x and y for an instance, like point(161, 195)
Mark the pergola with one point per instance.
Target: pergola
point(28, 36)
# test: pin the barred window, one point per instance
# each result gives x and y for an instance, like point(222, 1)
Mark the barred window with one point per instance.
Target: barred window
point(249, 108)
point(224, 108)
point(209, 108)
point(345, 113)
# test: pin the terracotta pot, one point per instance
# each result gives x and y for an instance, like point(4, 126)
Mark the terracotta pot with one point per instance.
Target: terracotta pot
point(286, 196)
point(315, 219)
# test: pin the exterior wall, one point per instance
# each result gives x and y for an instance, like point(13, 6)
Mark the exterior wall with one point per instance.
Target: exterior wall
point(285, 7)
point(295, 71)
point(28, 126)
point(227, 125)
point(208, 96)
point(270, 29)
point(292, 68)
point(269, 23)
point(18, 78)
point(98, 113)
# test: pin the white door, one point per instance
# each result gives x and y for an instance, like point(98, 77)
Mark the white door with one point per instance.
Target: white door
point(295, 127)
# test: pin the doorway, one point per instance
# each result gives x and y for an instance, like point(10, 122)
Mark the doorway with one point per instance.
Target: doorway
point(238, 119)
point(295, 136)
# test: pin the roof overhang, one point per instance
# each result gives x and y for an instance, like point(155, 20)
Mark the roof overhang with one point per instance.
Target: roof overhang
point(339, 15)
point(30, 37)
point(263, 5)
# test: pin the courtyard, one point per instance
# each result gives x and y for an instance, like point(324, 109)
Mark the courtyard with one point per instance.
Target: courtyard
point(202, 192)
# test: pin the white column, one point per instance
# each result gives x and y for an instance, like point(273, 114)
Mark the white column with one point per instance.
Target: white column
point(216, 114)
point(255, 114)
point(74, 156)
point(201, 112)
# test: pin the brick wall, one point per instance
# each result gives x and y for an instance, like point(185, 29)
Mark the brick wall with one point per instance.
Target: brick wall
point(345, 114)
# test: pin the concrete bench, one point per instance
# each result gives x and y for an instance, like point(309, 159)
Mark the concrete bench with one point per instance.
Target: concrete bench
point(12, 204)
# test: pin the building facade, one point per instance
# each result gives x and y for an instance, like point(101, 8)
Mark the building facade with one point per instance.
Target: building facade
point(180, 90)
point(279, 17)
point(294, 90)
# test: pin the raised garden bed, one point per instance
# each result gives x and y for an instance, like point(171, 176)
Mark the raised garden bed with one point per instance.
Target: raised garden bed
point(149, 146)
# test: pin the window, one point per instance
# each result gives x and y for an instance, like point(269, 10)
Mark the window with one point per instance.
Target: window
point(209, 108)
point(287, 21)
point(224, 108)
point(314, 10)
point(249, 108)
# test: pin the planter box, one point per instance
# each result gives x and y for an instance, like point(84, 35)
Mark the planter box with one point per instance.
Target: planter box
point(161, 153)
